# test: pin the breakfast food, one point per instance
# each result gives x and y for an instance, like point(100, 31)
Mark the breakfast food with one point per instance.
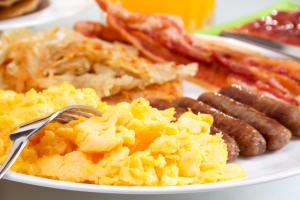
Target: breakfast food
point(15, 8)
point(43, 59)
point(281, 26)
point(130, 144)
point(163, 38)
point(276, 135)
point(6, 3)
point(162, 104)
point(232, 147)
point(250, 122)
point(249, 141)
point(286, 114)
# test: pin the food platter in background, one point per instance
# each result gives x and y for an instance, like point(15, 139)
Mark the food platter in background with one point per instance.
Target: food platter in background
point(48, 11)
point(264, 168)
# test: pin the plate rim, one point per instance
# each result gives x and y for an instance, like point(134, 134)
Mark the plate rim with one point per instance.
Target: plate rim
point(151, 190)
point(144, 190)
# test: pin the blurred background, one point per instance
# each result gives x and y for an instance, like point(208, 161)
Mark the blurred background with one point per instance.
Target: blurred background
point(215, 11)
point(227, 10)
point(197, 13)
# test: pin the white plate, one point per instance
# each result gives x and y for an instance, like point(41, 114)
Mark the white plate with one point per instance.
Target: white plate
point(56, 9)
point(260, 169)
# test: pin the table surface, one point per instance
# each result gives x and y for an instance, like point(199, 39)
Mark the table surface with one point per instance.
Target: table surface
point(226, 10)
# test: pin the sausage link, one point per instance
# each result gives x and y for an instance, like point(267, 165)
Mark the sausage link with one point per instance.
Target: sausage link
point(248, 139)
point(161, 104)
point(232, 147)
point(276, 135)
point(286, 114)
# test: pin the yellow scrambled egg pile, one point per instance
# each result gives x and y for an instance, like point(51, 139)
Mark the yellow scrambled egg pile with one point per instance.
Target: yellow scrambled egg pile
point(130, 144)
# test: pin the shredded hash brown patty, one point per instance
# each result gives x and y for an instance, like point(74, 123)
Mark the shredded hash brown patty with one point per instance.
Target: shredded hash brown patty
point(40, 60)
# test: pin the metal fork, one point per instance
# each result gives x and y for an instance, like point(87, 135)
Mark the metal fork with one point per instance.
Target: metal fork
point(21, 136)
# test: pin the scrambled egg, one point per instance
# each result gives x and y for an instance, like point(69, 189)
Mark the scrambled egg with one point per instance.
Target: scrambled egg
point(130, 144)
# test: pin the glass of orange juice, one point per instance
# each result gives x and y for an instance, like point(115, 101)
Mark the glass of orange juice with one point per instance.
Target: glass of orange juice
point(195, 13)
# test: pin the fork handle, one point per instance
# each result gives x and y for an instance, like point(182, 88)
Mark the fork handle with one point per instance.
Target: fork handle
point(14, 153)
point(20, 139)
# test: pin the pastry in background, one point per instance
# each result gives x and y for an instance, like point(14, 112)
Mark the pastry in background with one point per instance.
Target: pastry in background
point(6, 3)
point(15, 8)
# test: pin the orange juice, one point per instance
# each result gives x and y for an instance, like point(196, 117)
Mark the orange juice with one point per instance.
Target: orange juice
point(195, 13)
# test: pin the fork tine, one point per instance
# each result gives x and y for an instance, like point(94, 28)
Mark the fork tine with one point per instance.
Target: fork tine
point(82, 113)
point(87, 109)
point(72, 114)
point(67, 115)
point(62, 120)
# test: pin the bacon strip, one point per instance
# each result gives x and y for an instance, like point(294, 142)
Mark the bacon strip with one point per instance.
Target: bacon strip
point(163, 38)
point(166, 29)
point(145, 44)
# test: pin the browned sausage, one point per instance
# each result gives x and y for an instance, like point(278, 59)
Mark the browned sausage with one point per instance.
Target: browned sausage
point(214, 130)
point(276, 135)
point(284, 113)
point(161, 104)
point(180, 111)
point(249, 140)
point(232, 147)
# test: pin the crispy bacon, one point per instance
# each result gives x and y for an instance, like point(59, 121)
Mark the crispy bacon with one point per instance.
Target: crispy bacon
point(166, 29)
point(163, 38)
point(145, 44)
point(96, 30)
